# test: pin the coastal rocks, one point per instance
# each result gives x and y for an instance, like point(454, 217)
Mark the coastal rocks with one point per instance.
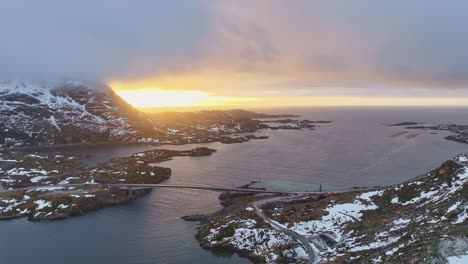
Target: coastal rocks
point(203, 219)
point(447, 168)
point(202, 151)
point(249, 137)
point(61, 207)
point(234, 140)
point(228, 198)
point(291, 127)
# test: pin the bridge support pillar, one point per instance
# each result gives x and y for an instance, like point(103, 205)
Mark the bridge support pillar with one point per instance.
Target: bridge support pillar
point(130, 191)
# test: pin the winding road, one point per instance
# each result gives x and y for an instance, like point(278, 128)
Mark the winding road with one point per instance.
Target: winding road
point(313, 253)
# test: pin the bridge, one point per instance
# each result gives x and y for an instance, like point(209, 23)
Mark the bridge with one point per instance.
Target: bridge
point(130, 186)
point(196, 187)
point(312, 251)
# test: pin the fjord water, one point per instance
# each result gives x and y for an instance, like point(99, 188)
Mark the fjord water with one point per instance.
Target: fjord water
point(357, 149)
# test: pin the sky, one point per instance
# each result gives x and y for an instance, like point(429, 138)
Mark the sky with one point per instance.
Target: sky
point(234, 53)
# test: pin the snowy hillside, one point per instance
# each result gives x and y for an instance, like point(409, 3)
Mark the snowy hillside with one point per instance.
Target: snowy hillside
point(423, 220)
point(35, 114)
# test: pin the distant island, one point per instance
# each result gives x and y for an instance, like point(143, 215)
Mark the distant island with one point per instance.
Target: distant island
point(460, 132)
point(405, 124)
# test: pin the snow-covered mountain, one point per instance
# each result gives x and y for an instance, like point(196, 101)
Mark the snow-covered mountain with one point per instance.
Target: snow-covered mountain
point(33, 114)
point(72, 112)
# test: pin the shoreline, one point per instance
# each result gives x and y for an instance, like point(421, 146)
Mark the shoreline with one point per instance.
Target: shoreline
point(240, 214)
point(35, 174)
point(224, 138)
point(39, 191)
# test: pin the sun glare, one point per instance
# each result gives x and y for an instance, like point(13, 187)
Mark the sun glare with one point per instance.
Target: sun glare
point(158, 98)
point(151, 96)
point(162, 98)
point(146, 95)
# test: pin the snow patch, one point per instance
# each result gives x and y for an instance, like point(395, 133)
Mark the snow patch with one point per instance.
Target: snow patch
point(458, 259)
point(42, 204)
point(38, 178)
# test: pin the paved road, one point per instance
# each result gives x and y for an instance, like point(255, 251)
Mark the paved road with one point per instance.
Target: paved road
point(224, 189)
point(311, 251)
point(178, 186)
point(139, 186)
point(198, 187)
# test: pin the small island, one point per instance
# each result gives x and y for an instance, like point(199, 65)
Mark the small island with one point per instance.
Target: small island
point(52, 186)
point(405, 124)
point(460, 132)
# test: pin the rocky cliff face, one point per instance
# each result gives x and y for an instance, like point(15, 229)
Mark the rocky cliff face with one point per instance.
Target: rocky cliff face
point(35, 114)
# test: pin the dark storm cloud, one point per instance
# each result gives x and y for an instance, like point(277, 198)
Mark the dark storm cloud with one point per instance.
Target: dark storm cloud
point(99, 39)
point(314, 43)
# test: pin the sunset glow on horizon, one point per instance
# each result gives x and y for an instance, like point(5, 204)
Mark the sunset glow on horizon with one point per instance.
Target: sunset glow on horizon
point(155, 97)
point(176, 98)
point(147, 95)
point(258, 54)
point(223, 90)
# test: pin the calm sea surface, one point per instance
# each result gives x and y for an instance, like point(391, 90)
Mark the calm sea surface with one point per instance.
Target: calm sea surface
point(357, 149)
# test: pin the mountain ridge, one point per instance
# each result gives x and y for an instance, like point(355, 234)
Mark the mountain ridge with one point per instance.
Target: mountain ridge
point(41, 114)
point(67, 113)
